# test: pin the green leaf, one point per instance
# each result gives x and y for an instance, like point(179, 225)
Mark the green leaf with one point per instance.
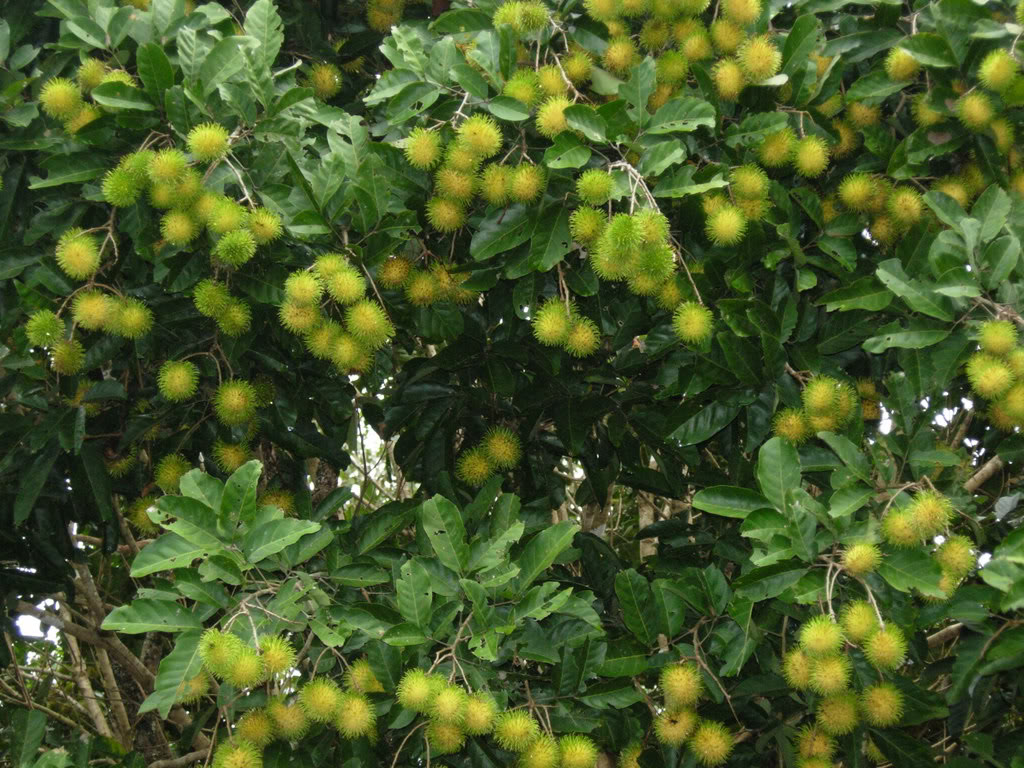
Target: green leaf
point(1000, 258)
point(729, 501)
point(192, 520)
point(122, 96)
point(587, 121)
point(894, 336)
point(624, 658)
point(902, 749)
point(567, 151)
point(682, 115)
point(846, 501)
point(147, 615)
point(614, 693)
point(360, 575)
point(992, 209)
point(442, 522)
point(919, 298)
point(669, 607)
point(764, 525)
point(238, 502)
point(263, 24)
point(168, 552)
point(404, 635)
point(801, 41)
point(176, 668)
point(32, 482)
point(946, 208)
point(414, 593)
point(501, 231)
point(270, 538)
point(551, 240)
point(850, 455)
point(637, 603)
point(70, 170)
point(909, 569)
point(223, 62)
point(778, 471)
point(494, 552)
point(154, 70)
point(504, 108)
point(873, 87)
point(707, 422)
point(865, 293)
point(682, 184)
point(541, 551)
point(661, 156)
point(754, 128)
point(929, 49)
point(382, 523)
point(638, 89)
point(27, 729)
point(472, 82)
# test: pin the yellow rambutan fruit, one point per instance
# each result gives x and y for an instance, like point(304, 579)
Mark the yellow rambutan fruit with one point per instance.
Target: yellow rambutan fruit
point(285, 501)
point(619, 55)
point(320, 699)
point(671, 68)
point(278, 654)
point(87, 114)
point(445, 215)
point(673, 727)
point(290, 722)
point(796, 669)
point(583, 338)
point(524, 86)
point(235, 318)
point(208, 142)
point(743, 12)
point(975, 111)
point(886, 648)
point(139, 518)
point(235, 248)
point(831, 106)
point(177, 380)
point(830, 674)
point(526, 183)
point(167, 166)
point(394, 272)
point(692, 322)
point(791, 424)
point(422, 288)
point(820, 395)
point(178, 228)
point(1015, 361)
point(726, 36)
point(455, 185)
point(92, 309)
point(255, 727)
point(861, 558)
point(955, 187)
point(349, 355)
point(230, 456)
point(882, 705)
point(481, 135)
point(681, 685)
point(515, 730)
point(493, 184)
point(551, 119)
point(654, 35)
point(863, 115)
point(697, 46)
point(60, 98)
point(728, 78)
point(997, 70)
point(368, 323)
point(416, 689)
point(857, 191)
point(355, 715)
point(217, 650)
point(445, 738)
point(192, 690)
point(810, 156)
point(542, 753)
point(303, 288)
point(931, 512)
point(989, 376)
point(901, 66)
point(552, 322)
point(502, 447)
point(837, 714)
point(346, 285)
point(726, 226)
point(858, 620)
point(1003, 134)
point(748, 181)
point(265, 226)
point(321, 339)
point(813, 742)
point(479, 714)
point(578, 66)
point(759, 58)
point(381, 18)
point(776, 149)
point(821, 636)
point(595, 186)
point(587, 224)
point(448, 704)
point(956, 556)
point(924, 114)
point(577, 750)
point(237, 754)
point(997, 337)
point(423, 148)
point(132, 319)
point(849, 139)
point(711, 743)
point(90, 74)
point(360, 677)
point(67, 356)
point(235, 402)
point(1012, 402)
point(904, 206)
point(78, 254)
point(551, 81)
point(899, 529)
point(325, 79)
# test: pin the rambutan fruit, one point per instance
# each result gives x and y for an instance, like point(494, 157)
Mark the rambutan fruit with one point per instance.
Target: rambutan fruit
point(578, 751)
point(955, 187)
point(672, 728)
point(208, 142)
point(726, 36)
point(989, 376)
point(681, 685)
point(256, 727)
point(997, 70)
point(445, 738)
point(355, 715)
point(924, 114)
point(1015, 361)
point(278, 654)
point(830, 674)
point(551, 81)
point(246, 669)
point(138, 517)
point(776, 149)
point(583, 338)
point(119, 76)
point(290, 721)
point(279, 498)
point(726, 226)
point(303, 288)
point(692, 322)
point(237, 754)
point(861, 558)
point(857, 191)
point(552, 322)
point(578, 66)
point(669, 295)
point(90, 74)
point(882, 705)
point(905, 206)
point(997, 337)
point(44, 328)
point(416, 690)
point(932, 513)
point(264, 225)
point(192, 690)
point(515, 730)
point(594, 186)
point(711, 743)
point(347, 285)
point(846, 398)
point(550, 120)
point(92, 309)
point(524, 86)
point(493, 184)
point(619, 55)
point(320, 699)
point(380, 18)
point(791, 424)
point(225, 216)
point(796, 669)
point(448, 704)
point(587, 224)
point(831, 106)
point(753, 208)
point(748, 181)
point(629, 757)
point(67, 356)
point(849, 139)
point(178, 228)
point(235, 248)
point(813, 742)
point(166, 166)
point(423, 148)
point(901, 66)
point(60, 98)
point(956, 556)
point(671, 68)
point(217, 649)
point(368, 323)
point(325, 79)
point(230, 456)
point(78, 254)
point(899, 529)
point(728, 78)
point(445, 215)
point(120, 187)
point(479, 715)
point(234, 402)
point(422, 288)
point(235, 318)
point(502, 447)
point(759, 58)
point(837, 714)
point(132, 319)
point(542, 753)
point(821, 636)
point(349, 355)
point(822, 422)
point(819, 395)
point(886, 649)
point(697, 46)
point(743, 12)
point(975, 111)
point(654, 35)
point(1003, 134)
point(177, 380)
point(167, 474)
point(863, 115)
point(394, 272)
point(810, 156)
point(455, 185)
point(526, 183)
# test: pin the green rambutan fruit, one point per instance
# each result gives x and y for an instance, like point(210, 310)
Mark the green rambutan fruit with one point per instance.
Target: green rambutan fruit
point(90, 74)
point(67, 356)
point(192, 690)
point(975, 111)
point(225, 216)
point(208, 142)
point(230, 456)
point(905, 206)
point(924, 114)
point(264, 225)
point(552, 322)
point(166, 166)
point(813, 742)
point(44, 328)
point(619, 55)
point(810, 156)
point(791, 424)
point(820, 394)
point(526, 183)
point(862, 115)
point(595, 186)
point(956, 556)
point(502, 447)
point(422, 288)
point(1003, 134)
point(550, 120)
point(479, 714)
point(681, 685)
point(279, 498)
point(669, 295)
point(997, 70)
point(452, 184)
point(697, 45)
point(849, 139)
point(356, 715)
point(822, 422)
point(671, 67)
point(932, 513)
point(837, 714)
point(989, 376)
point(119, 76)
point(368, 323)
point(138, 517)
point(759, 58)
point(325, 79)
point(290, 721)
point(78, 254)
point(551, 81)
point(861, 558)
point(162, 196)
point(886, 649)
point(651, 226)
point(255, 727)
point(654, 35)
point(743, 12)
point(672, 728)
point(753, 208)
point(235, 248)
point(776, 149)
point(167, 474)
point(796, 668)
point(381, 18)
point(394, 272)
point(587, 224)
point(857, 191)
point(846, 398)
point(629, 757)
point(1015, 361)
point(901, 66)
point(578, 66)
point(415, 690)
point(728, 78)
point(997, 337)
point(578, 751)
point(177, 380)
point(711, 743)
point(137, 163)
point(320, 699)
point(821, 636)
point(122, 465)
point(524, 86)
point(515, 730)
point(178, 228)
point(120, 187)
point(726, 36)
point(235, 402)
point(601, 10)
point(882, 705)
point(749, 181)
point(303, 288)
point(278, 654)
point(60, 98)
point(92, 309)
point(445, 215)
point(349, 355)
point(583, 338)
point(360, 677)
point(542, 753)
point(320, 340)
point(955, 187)
point(235, 318)
point(726, 226)
point(899, 529)
point(692, 322)
point(132, 319)
point(493, 184)
point(237, 754)
point(830, 674)
point(445, 738)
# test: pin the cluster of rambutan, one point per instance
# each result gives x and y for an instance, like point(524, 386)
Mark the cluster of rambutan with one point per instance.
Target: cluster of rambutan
point(382, 15)
point(460, 176)
point(227, 657)
point(452, 715)
point(558, 323)
point(66, 100)
point(425, 286)
point(710, 741)
point(891, 211)
point(499, 450)
point(821, 665)
point(828, 405)
point(996, 373)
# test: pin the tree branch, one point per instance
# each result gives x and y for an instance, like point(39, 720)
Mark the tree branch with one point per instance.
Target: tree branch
point(980, 477)
point(180, 762)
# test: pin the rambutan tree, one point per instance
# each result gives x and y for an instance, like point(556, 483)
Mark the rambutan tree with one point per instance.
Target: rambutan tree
point(470, 383)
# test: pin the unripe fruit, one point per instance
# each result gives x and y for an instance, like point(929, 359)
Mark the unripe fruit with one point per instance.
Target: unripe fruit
point(711, 743)
point(975, 111)
point(444, 738)
point(578, 66)
point(673, 728)
point(542, 753)
point(217, 650)
point(119, 76)
point(924, 115)
point(654, 35)
point(743, 12)
point(303, 288)
point(394, 272)
point(821, 636)
point(380, 18)
point(229, 456)
point(791, 424)
point(863, 115)
point(997, 337)
point(167, 475)
point(900, 530)
point(423, 148)
point(955, 187)
point(178, 228)
point(619, 55)
point(256, 727)
point(479, 715)
point(120, 187)
point(235, 318)
point(355, 716)
point(177, 380)
point(346, 285)
point(552, 322)
point(1002, 134)
point(264, 225)
point(584, 337)
point(697, 46)
point(551, 119)
point(748, 181)
point(325, 79)
point(90, 74)
point(849, 140)
point(234, 402)
point(349, 355)
point(837, 714)
point(578, 751)
point(956, 556)
point(594, 186)
point(726, 226)
point(502, 447)
point(415, 690)
point(367, 321)
point(777, 148)
point(796, 668)
point(831, 106)
point(587, 224)
point(830, 674)
point(524, 86)
point(551, 81)
point(515, 730)
point(237, 754)
point(235, 248)
point(820, 395)
point(60, 98)
point(67, 356)
point(857, 192)
point(208, 142)
point(445, 215)
point(989, 376)
point(167, 166)
point(886, 649)
point(44, 328)
point(882, 705)
point(78, 254)
point(905, 206)
point(92, 309)
point(448, 705)
point(861, 559)
point(813, 742)
point(278, 654)
point(932, 513)
point(132, 319)
point(754, 208)
point(997, 70)
point(290, 721)
point(726, 36)
point(192, 690)
point(728, 79)
point(320, 699)
point(810, 157)
point(422, 288)
point(283, 500)
point(692, 322)
point(455, 185)
point(671, 68)
point(759, 58)
point(900, 65)
point(681, 685)
point(138, 517)
point(493, 184)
